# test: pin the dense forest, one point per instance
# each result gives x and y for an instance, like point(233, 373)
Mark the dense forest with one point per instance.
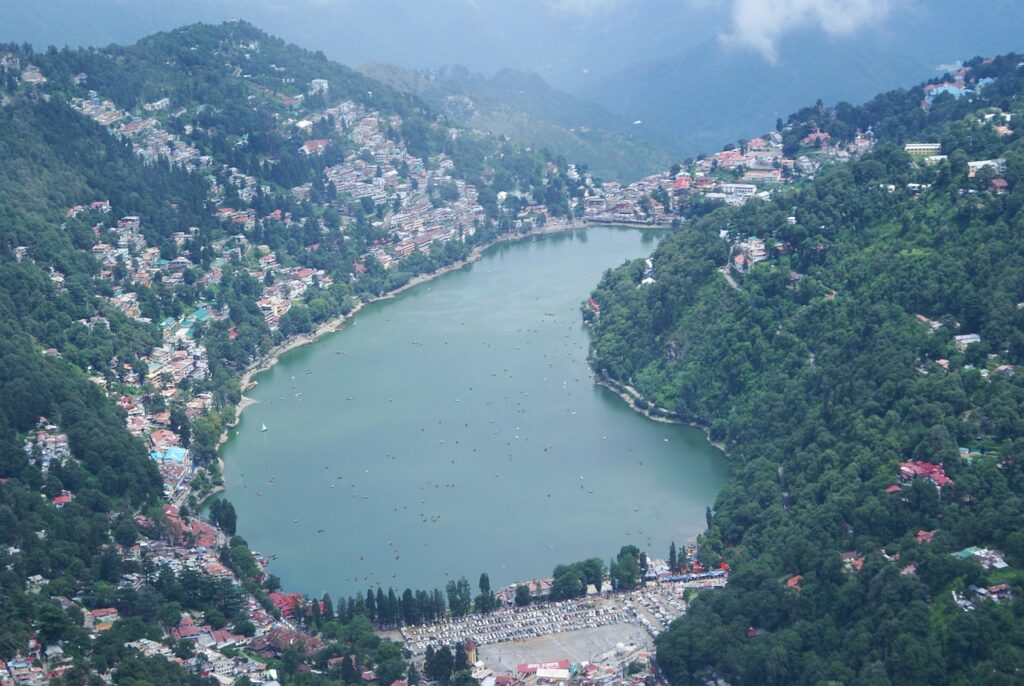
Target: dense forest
point(826, 366)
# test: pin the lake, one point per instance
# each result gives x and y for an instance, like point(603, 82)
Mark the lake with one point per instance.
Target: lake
point(456, 429)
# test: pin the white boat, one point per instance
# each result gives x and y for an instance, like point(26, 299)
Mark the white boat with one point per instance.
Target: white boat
point(263, 427)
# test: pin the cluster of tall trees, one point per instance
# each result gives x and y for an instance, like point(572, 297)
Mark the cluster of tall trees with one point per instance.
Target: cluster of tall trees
point(389, 608)
point(819, 379)
point(448, 665)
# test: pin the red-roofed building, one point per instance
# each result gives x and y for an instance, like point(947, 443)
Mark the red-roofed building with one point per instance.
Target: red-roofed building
point(925, 470)
point(532, 667)
point(925, 536)
point(225, 638)
point(102, 617)
point(314, 147)
point(852, 561)
point(813, 138)
point(893, 489)
point(274, 642)
point(162, 439)
point(186, 629)
point(1000, 591)
point(62, 500)
point(285, 602)
point(204, 535)
point(794, 581)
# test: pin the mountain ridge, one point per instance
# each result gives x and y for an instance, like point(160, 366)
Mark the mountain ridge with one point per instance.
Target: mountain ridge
point(526, 108)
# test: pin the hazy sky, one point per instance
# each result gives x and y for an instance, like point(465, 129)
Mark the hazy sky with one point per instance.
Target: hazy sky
point(566, 41)
point(555, 37)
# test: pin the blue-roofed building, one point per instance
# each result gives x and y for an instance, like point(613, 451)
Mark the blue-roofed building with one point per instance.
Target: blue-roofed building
point(174, 454)
point(954, 89)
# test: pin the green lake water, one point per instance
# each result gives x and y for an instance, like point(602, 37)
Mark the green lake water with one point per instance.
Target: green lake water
point(457, 429)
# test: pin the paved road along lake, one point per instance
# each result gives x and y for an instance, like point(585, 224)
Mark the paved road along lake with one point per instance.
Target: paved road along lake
point(457, 429)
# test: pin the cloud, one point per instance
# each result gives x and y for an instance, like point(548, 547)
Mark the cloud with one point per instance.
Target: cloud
point(760, 24)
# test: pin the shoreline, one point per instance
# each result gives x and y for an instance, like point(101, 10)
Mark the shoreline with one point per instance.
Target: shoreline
point(631, 396)
point(273, 356)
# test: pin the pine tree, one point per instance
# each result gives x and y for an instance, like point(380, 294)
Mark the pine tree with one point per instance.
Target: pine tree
point(485, 602)
point(348, 670)
point(392, 613)
point(328, 611)
point(673, 563)
point(461, 661)
point(372, 611)
point(314, 613)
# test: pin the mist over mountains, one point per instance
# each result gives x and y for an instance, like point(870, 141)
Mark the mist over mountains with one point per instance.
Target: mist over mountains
point(695, 74)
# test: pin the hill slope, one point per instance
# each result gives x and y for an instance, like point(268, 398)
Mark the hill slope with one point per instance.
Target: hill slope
point(169, 212)
point(833, 375)
point(528, 110)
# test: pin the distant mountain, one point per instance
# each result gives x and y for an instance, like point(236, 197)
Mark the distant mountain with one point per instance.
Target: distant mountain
point(715, 93)
point(527, 109)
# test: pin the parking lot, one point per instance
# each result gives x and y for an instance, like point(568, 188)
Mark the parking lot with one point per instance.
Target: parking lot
point(582, 644)
point(581, 627)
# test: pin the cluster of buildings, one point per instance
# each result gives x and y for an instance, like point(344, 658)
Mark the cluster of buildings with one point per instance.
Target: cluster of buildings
point(289, 285)
point(931, 154)
point(614, 203)
point(917, 469)
point(732, 176)
point(748, 252)
point(47, 444)
point(989, 559)
point(381, 169)
point(36, 666)
point(192, 544)
point(179, 545)
point(181, 355)
point(209, 662)
point(625, 664)
point(149, 139)
point(957, 83)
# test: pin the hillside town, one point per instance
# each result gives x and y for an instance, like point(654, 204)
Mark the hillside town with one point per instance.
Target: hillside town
point(426, 206)
point(417, 206)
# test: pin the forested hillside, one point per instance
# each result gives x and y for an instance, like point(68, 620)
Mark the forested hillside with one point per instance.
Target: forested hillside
point(833, 361)
point(169, 212)
point(528, 110)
